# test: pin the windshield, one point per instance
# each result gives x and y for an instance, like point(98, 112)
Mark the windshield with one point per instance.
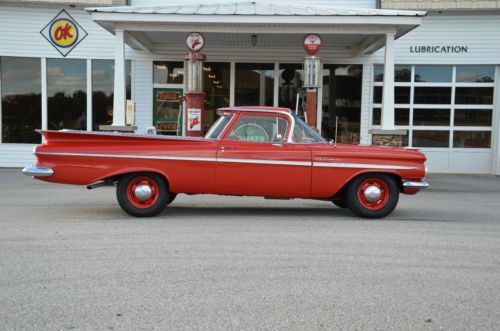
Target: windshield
point(304, 134)
point(218, 127)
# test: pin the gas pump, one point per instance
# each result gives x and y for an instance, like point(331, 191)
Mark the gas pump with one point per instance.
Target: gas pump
point(312, 77)
point(193, 67)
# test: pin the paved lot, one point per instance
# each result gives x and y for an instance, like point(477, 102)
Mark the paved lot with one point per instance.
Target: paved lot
point(71, 259)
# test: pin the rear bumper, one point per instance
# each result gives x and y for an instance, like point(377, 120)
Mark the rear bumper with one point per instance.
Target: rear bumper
point(416, 185)
point(37, 171)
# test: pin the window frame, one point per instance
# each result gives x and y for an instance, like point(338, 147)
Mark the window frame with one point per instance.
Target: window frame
point(452, 106)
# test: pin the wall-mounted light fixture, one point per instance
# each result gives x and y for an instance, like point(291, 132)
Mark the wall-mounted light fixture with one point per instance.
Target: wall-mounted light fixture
point(254, 40)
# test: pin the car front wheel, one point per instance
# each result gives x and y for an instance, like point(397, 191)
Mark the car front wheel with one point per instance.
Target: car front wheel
point(372, 195)
point(142, 194)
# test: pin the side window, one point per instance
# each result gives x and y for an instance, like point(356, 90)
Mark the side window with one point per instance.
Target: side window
point(303, 134)
point(259, 128)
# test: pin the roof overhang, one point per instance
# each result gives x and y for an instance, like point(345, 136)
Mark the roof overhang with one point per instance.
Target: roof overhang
point(369, 25)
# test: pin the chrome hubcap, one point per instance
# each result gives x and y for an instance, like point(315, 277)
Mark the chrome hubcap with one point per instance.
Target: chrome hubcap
point(372, 193)
point(143, 192)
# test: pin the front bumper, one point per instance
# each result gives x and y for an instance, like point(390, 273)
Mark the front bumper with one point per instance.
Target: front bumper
point(418, 185)
point(37, 171)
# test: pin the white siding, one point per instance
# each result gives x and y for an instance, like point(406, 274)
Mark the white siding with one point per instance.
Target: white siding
point(336, 3)
point(480, 33)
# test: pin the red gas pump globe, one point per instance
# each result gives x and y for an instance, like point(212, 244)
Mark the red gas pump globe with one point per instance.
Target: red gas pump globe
point(195, 41)
point(312, 43)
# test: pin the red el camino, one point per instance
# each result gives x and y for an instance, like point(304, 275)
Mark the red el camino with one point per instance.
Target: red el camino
point(251, 151)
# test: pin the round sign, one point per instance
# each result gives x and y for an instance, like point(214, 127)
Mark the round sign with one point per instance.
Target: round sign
point(63, 32)
point(312, 43)
point(195, 41)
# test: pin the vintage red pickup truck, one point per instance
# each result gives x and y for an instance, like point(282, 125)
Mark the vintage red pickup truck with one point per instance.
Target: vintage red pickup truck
point(249, 151)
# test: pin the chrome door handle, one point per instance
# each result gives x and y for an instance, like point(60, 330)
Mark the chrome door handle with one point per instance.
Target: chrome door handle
point(225, 148)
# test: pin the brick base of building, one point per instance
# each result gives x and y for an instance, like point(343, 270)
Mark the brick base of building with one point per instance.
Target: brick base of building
point(388, 137)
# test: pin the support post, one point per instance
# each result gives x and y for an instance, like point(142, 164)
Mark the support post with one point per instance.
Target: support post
point(387, 119)
point(119, 84)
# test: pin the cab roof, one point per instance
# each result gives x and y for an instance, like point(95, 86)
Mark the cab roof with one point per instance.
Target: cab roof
point(253, 108)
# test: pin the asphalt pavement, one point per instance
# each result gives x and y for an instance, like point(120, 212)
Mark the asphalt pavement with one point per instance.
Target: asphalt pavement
point(70, 259)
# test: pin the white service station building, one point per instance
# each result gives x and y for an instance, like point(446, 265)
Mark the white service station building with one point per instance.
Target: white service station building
point(431, 76)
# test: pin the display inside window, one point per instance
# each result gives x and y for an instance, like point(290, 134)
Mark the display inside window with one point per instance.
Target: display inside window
point(472, 139)
point(432, 95)
point(254, 85)
point(342, 100)
point(473, 117)
point(168, 72)
point(216, 78)
point(474, 95)
point(431, 117)
point(21, 99)
point(259, 129)
point(67, 95)
point(291, 80)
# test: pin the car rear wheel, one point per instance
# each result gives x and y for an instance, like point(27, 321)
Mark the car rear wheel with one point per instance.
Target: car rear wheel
point(142, 194)
point(372, 195)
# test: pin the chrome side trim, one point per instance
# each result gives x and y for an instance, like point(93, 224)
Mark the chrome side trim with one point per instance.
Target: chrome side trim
point(420, 185)
point(361, 166)
point(130, 156)
point(37, 171)
point(232, 160)
point(275, 162)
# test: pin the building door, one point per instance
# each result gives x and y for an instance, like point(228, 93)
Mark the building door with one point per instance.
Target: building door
point(167, 111)
point(342, 100)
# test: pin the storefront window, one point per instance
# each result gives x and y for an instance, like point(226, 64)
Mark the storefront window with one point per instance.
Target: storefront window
point(216, 77)
point(474, 95)
point(291, 79)
point(342, 87)
point(401, 116)
point(103, 72)
point(473, 117)
point(433, 74)
point(67, 97)
point(21, 99)
point(424, 138)
point(440, 117)
point(475, 74)
point(254, 84)
point(432, 95)
point(377, 115)
point(472, 139)
point(168, 72)
point(402, 73)
point(401, 94)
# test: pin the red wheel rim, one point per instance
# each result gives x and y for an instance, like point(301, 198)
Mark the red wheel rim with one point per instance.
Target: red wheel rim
point(384, 193)
point(134, 200)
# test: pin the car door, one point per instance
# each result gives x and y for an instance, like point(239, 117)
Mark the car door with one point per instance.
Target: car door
point(254, 159)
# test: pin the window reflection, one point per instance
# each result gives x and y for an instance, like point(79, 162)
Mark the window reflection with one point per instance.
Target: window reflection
point(431, 117)
point(402, 73)
point(103, 72)
point(21, 99)
point(168, 72)
point(254, 84)
point(216, 86)
point(424, 138)
point(473, 117)
point(475, 74)
point(67, 97)
point(432, 95)
point(435, 74)
point(472, 139)
point(291, 79)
